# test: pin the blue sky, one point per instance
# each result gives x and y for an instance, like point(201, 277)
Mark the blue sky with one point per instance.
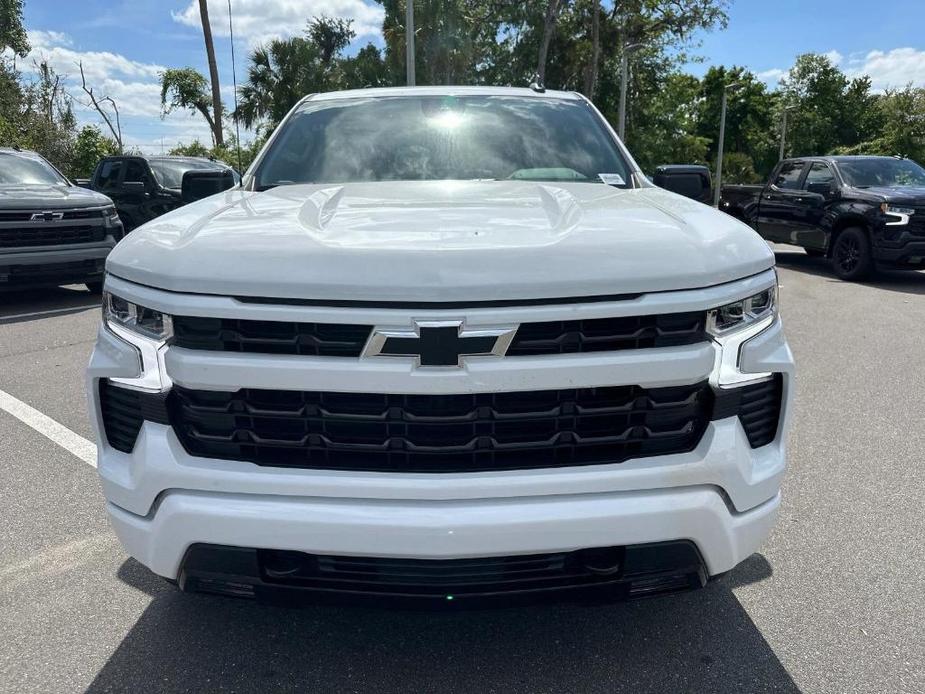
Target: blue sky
point(124, 43)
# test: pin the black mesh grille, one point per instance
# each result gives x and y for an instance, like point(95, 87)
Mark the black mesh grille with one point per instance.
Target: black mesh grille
point(337, 340)
point(125, 410)
point(917, 222)
point(608, 334)
point(270, 337)
point(441, 433)
point(757, 406)
point(51, 235)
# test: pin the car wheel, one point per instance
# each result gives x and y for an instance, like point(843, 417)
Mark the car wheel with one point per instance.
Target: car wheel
point(851, 256)
point(95, 287)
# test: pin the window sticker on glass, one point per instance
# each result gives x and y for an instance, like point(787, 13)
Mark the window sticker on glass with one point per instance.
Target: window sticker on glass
point(612, 179)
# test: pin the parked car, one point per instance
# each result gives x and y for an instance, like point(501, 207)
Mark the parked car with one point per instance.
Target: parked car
point(144, 187)
point(861, 212)
point(407, 358)
point(51, 232)
point(690, 180)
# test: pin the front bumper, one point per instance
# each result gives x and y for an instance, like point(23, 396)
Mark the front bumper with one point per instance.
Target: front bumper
point(900, 247)
point(723, 496)
point(54, 266)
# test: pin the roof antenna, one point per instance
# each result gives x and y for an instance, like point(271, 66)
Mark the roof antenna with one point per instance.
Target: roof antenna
point(234, 82)
point(536, 83)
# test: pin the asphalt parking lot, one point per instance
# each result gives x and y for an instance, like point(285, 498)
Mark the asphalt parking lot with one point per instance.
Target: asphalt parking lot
point(833, 603)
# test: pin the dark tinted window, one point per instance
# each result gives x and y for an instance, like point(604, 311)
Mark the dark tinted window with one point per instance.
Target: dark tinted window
point(26, 169)
point(886, 172)
point(108, 177)
point(169, 172)
point(135, 172)
point(441, 138)
point(819, 174)
point(788, 177)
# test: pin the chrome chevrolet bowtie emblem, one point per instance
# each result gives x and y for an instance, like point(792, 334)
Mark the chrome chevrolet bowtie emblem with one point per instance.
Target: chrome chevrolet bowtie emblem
point(46, 216)
point(439, 343)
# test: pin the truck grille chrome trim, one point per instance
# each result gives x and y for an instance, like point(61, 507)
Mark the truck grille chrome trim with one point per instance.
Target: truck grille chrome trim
point(349, 340)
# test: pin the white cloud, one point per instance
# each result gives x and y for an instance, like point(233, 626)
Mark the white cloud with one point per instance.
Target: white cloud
point(834, 56)
point(772, 76)
point(257, 21)
point(133, 85)
point(895, 68)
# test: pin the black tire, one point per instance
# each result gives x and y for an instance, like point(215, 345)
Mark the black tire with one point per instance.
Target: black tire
point(814, 253)
point(852, 259)
point(95, 287)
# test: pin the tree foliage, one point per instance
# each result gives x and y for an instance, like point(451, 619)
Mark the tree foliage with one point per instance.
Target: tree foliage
point(227, 153)
point(672, 117)
point(12, 33)
point(186, 88)
point(90, 146)
point(284, 70)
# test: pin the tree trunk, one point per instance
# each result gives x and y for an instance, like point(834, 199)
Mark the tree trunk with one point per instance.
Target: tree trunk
point(217, 135)
point(591, 75)
point(549, 26)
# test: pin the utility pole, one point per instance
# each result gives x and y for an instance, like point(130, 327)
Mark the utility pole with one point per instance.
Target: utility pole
point(217, 133)
point(722, 136)
point(409, 42)
point(624, 79)
point(783, 130)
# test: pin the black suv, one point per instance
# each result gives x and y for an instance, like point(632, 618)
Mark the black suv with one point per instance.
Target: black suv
point(146, 186)
point(51, 231)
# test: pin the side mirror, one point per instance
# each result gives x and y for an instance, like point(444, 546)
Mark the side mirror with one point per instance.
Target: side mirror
point(82, 182)
point(198, 184)
point(690, 181)
point(133, 187)
point(826, 190)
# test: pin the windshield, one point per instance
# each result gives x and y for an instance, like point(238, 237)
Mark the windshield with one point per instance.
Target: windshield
point(885, 172)
point(427, 138)
point(169, 172)
point(27, 169)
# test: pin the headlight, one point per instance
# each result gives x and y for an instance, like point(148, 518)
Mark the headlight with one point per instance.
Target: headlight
point(138, 319)
point(900, 215)
point(110, 215)
point(740, 315)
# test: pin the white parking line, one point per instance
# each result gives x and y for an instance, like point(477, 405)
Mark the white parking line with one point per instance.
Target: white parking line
point(45, 425)
point(49, 312)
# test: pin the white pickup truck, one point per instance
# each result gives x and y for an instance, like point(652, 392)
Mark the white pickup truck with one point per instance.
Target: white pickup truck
point(442, 343)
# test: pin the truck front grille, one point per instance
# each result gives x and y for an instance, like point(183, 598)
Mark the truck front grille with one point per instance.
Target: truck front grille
point(27, 236)
point(270, 337)
point(348, 340)
point(440, 433)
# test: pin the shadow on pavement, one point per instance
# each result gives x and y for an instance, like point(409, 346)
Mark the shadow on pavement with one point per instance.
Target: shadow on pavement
point(699, 641)
point(31, 304)
point(889, 280)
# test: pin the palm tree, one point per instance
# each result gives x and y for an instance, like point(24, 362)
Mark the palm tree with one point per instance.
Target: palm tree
point(217, 134)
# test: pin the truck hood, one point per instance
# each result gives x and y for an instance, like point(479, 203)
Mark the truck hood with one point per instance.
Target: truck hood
point(440, 241)
point(48, 197)
point(908, 195)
